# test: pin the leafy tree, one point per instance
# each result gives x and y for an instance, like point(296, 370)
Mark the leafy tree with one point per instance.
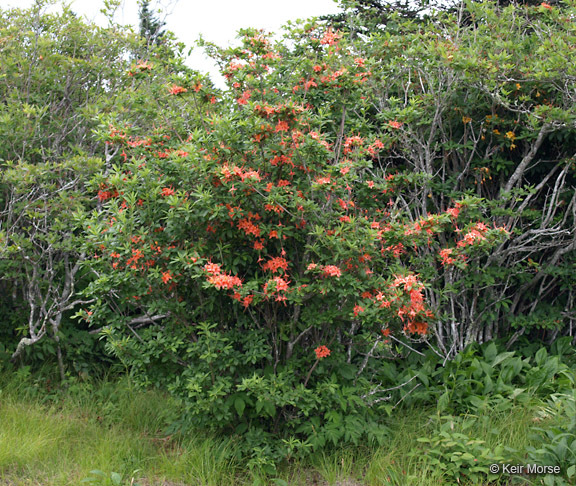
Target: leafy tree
point(63, 82)
point(370, 16)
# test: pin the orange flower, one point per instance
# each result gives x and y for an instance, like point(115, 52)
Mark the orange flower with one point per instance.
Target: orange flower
point(330, 38)
point(212, 268)
point(279, 283)
point(166, 277)
point(243, 100)
point(282, 126)
point(247, 300)
point(351, 141)
point(224, 281)
point(445, 255)
point(275, 263)
point(409, 281)
point(167, 191)
point(454, 212)
point(176, 90)
point(394, 124)
point(358, 309)
point(248, 227)
point(332, 271)
point(322, 352)
point(323, 180)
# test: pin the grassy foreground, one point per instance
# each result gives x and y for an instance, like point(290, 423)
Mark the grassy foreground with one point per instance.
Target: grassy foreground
point(55, 438)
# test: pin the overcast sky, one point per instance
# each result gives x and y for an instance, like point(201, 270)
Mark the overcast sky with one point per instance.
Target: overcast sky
point(216, 20)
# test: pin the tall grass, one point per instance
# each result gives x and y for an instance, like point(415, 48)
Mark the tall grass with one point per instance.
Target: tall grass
point(109, 426)
point(51, 437)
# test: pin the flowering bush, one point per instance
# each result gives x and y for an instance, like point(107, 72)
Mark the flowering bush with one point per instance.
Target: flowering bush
point(255, 267)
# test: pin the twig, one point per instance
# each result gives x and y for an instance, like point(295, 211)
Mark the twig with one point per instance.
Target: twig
point(404, 344)
point(400, 401)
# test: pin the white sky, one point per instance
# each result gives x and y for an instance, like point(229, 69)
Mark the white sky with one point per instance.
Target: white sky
point(216, 20)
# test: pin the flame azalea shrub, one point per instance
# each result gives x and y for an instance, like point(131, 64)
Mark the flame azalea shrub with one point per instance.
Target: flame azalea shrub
point(256, 268)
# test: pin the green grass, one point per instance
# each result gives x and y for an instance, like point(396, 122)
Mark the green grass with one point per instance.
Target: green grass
point(54, 438)
point(108, 427)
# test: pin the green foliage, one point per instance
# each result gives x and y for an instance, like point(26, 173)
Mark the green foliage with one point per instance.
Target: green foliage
point(62, 79)
point(219, 258)
point(557, 443)
point(100, 478)
point(57, 436)
point(480, 378)
point(458, 457)
point(268, 253)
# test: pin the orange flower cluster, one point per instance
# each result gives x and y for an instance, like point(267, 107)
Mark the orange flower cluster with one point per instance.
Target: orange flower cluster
point(176, 90)
point(221, 280)
point(276, 263)
point(212, 268)
point(248, 227)
point(282, 126)
point(445, 254)
point(322, 352)
point(455, 211)
point(104, 195)
point(323, 180)
point(243, 100)
point(280, 285)
point(273, 207)
point(281, 160)
point(474, 235)
point(351, 142)
point(331, 271)
point(358, 310)
point(330, 38)
point(411, 314)
point(141, 67)
point(230, 172)
point(225, 281)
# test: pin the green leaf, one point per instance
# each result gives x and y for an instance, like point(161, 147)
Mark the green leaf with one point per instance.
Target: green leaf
point(540, 357)
point(239, 405)
point(490, 352)
point(443, 402)
point(269, 408)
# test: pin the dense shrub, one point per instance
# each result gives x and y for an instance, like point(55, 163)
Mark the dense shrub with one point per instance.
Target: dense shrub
point(259, 268)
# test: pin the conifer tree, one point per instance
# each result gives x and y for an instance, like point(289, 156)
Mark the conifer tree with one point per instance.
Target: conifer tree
point(151, 28)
